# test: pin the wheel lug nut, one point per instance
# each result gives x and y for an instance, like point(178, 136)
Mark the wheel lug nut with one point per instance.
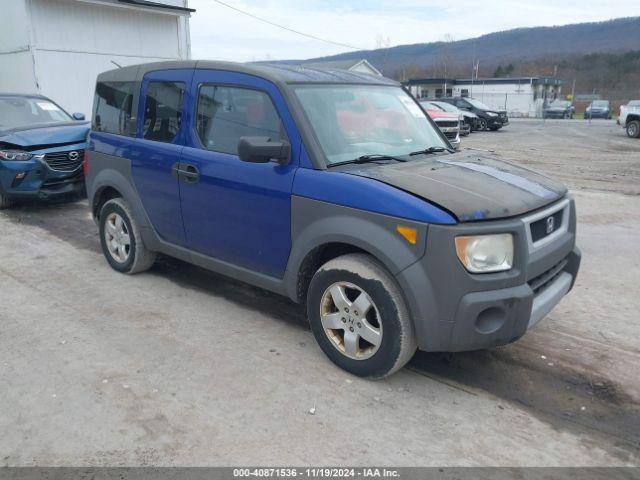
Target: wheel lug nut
point(344, 320)
point(346, 309)
point(359, 325)
point(351, 329)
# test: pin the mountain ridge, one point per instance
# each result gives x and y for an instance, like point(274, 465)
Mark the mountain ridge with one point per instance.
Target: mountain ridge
point(496, 48)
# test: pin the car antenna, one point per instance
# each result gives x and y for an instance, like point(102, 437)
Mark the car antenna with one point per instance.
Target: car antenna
point(117, 65)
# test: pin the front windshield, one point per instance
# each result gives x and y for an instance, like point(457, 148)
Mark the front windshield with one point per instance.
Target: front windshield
point(560, 103)
point(16, 112)
point(447, 107)
point(478, 104)
point(350, 121)
point(601, 103)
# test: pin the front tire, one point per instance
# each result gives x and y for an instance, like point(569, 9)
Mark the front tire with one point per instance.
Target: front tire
point(483, 125)
point(359, 318)
point(120, 238)
point(5, 202)
point(633, 129)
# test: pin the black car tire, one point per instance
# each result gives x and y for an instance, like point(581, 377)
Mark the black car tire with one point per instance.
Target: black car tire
point(482, 125)
point(138, 258)
point(5, 202)
point(397, 339)
point(633, 129)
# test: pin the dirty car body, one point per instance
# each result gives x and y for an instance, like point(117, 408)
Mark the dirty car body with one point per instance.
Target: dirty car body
point(41, 148)
point(353, 173)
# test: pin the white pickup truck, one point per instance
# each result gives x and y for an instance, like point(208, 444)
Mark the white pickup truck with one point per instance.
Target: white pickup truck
point(629, 118)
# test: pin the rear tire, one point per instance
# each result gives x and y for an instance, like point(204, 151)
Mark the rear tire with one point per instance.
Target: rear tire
point(633, 129)
point(120, 238)
point(359, 317)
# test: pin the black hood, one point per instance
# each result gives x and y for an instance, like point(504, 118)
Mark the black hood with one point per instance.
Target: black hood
point(471, 185)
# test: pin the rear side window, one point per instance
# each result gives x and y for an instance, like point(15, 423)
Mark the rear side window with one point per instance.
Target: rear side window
point(163, 111)
point(227, 113)
point(112, 108)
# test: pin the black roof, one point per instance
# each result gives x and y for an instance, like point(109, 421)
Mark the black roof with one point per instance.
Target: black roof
point(277, 73)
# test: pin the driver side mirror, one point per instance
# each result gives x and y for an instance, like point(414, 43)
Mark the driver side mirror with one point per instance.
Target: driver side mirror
point(263, 150)
point(78, 116)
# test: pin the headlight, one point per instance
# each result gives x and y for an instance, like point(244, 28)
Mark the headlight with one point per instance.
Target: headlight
point(486, 253)
point(15, 155)
point(491, 114)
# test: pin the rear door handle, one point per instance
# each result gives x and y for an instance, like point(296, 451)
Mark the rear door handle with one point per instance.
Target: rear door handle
point(189, 173)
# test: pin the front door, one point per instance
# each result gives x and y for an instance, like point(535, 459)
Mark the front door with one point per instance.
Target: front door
point(236, 211)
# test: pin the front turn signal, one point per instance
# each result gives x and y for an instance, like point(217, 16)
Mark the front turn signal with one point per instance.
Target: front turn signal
point(409, 234)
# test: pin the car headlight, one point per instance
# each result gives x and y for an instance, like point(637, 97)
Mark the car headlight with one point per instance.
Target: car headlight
point(485, 253)
point(15, 155)
point(491, 114)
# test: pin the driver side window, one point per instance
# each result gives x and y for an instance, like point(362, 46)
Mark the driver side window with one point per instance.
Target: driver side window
point(227, 113)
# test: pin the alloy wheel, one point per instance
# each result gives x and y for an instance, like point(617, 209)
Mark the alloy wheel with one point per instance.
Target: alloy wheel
point(117, 238)
point(351, 320)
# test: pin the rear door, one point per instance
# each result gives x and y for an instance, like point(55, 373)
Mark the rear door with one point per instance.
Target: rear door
point(156, 152)
point(236, 211)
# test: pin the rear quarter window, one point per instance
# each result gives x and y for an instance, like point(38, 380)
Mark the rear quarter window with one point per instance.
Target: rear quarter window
point(112, 108)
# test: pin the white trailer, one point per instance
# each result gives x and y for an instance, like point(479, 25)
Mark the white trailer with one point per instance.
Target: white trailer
point(58, 47)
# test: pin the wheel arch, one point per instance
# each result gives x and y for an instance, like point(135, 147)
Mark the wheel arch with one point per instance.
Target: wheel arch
point(631, 117)
point(322, 231)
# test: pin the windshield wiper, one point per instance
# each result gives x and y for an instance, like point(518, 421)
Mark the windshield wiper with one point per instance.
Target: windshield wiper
point(368, 158)
point(430, 150)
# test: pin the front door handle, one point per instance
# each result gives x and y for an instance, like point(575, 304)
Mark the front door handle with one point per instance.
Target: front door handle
point(189, 173)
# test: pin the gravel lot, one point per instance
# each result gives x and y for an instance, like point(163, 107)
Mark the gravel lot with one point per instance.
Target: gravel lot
point(179, 366)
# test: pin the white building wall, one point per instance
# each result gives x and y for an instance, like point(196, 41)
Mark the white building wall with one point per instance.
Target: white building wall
point(71, 41)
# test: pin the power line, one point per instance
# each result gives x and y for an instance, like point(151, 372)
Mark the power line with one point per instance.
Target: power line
point(308, 35)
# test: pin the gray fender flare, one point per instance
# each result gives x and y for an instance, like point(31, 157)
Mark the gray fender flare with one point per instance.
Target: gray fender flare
point(316, 223)
point(120, 179)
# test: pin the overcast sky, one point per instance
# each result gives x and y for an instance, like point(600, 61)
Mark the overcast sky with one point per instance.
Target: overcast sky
point(219, 33)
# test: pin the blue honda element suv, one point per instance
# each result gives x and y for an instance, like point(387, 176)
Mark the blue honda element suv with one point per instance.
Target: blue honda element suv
point(335, 189)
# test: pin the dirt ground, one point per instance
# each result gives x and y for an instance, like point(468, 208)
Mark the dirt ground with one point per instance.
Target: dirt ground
point(179, 366)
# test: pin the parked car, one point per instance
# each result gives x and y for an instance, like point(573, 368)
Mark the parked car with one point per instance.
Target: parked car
point(629, 118)
point(488, 118)
point(559, 109)
point(260, 172)
point(41, 149)
point(468, 120)
point(598, 109)
point(448, 123)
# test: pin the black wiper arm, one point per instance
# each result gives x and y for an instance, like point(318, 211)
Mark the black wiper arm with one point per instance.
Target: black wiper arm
point(368, 158)
point(430, 150)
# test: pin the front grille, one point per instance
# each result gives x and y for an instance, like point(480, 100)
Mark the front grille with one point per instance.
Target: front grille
point(545, 226)
point(61, 161)
point(447, 123)
point(451, 134)
point(543, 280)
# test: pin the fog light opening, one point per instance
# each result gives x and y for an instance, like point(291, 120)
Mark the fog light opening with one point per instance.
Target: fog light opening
point(490, 320)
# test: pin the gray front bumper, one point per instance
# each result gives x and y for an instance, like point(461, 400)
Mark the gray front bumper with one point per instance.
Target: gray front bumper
point(454, 310)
